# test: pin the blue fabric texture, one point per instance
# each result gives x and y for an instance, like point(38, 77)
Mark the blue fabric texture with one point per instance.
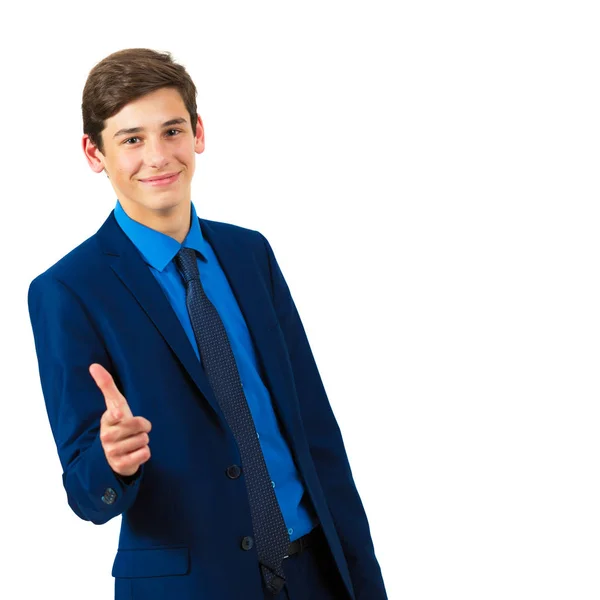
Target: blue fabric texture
point(158, 251)
point(186, 521)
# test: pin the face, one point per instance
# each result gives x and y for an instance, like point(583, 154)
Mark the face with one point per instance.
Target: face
point(149, 154)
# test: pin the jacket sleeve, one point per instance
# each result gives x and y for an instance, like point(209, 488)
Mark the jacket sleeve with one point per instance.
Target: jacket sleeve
point(67, 344)
point(327, 447)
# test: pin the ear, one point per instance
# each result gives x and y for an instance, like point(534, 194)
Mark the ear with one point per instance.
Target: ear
point(94, 157)
point(199, 137)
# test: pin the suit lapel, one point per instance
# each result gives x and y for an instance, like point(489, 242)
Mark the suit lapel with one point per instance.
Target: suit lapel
point(242, 273)
point(130, 268)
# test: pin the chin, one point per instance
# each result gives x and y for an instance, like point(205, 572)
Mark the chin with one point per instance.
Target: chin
point(164, 204)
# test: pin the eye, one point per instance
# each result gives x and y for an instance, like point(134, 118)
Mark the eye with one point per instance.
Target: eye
point(129, 139)
point(175, 130)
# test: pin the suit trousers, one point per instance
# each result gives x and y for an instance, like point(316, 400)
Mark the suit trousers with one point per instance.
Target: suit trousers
point(311, 575)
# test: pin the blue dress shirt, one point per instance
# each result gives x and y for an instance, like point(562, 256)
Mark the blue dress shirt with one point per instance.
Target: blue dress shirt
point(158, 251)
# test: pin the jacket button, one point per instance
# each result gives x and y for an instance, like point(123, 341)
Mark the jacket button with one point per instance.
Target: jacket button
point(233, 472)
point(109, 496)
point(247, 543)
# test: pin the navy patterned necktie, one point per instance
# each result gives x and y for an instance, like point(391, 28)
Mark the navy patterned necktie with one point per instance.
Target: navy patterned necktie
point(270, 532)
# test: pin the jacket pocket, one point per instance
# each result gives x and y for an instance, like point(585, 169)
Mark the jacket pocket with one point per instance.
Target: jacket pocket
point(153, 562)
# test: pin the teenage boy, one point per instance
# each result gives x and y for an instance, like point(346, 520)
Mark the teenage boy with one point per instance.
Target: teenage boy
point(179, 383)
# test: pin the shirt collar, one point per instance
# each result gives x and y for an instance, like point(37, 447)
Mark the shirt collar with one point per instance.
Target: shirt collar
point(156, 248)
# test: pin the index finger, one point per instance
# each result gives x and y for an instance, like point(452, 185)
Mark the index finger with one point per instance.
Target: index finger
point(115, 401)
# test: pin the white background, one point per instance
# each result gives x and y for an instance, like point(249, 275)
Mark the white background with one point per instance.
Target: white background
point(427, 174)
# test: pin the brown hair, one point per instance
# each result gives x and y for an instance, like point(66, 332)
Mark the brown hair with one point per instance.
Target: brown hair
point(125, 76)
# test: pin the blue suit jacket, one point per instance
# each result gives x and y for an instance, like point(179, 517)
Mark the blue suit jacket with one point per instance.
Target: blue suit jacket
point(183, 518)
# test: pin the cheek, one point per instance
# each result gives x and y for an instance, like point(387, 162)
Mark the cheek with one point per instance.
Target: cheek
point(185, 153)
point(127, 164)
point(189, 158)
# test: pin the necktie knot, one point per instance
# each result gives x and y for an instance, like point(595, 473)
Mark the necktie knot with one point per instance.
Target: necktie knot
point(185, 260)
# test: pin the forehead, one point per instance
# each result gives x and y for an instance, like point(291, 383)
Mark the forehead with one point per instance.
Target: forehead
point(149, 111)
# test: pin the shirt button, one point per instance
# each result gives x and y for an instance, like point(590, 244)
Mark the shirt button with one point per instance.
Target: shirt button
point(290, 531)
point(247, 543)
point(273, 483)
point(233, 472)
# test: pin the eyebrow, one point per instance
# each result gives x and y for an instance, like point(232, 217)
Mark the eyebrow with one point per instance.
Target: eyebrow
point(131, 130)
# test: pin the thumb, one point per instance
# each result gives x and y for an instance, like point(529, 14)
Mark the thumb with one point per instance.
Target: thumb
point(115, 401)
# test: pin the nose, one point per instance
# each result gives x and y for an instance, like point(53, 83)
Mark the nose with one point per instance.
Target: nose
point(155, 154)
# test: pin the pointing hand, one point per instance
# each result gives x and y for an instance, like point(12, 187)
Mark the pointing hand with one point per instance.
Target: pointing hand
point(124, 437)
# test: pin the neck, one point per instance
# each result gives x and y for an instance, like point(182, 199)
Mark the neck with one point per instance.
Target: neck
point(173, 221)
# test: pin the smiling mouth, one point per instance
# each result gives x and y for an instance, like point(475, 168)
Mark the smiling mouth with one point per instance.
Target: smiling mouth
point(161, 180)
